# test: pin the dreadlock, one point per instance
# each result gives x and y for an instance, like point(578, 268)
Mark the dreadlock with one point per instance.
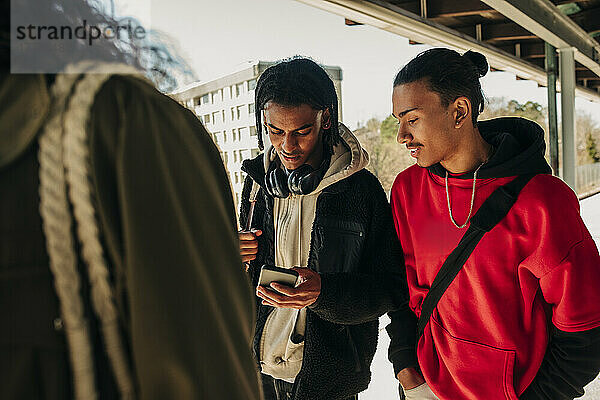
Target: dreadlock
point(294, 82)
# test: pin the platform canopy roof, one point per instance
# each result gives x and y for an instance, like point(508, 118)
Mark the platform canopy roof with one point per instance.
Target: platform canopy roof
point(511, 33)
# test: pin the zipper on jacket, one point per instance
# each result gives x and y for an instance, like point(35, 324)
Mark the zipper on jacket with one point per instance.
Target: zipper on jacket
point(301, 373)
point(345, 231)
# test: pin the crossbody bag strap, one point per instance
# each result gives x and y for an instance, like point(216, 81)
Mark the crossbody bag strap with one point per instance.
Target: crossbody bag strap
point(491, 212)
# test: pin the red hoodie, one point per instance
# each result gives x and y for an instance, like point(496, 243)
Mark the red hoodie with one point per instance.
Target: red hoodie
point(490, 331)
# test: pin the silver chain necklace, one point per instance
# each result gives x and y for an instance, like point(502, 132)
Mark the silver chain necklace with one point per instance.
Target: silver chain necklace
point(472, 198)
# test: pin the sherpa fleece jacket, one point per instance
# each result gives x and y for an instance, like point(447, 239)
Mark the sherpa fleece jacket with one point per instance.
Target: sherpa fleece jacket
point(354, 248)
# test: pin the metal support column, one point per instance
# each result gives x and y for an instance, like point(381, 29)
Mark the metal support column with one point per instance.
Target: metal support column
point(567, 107)
point(552, 71)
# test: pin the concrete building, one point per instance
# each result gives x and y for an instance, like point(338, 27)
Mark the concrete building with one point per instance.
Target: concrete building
point(226, 108)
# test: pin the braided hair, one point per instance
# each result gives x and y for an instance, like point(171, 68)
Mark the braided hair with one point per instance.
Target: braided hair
point(449, 74)
point(294, 82)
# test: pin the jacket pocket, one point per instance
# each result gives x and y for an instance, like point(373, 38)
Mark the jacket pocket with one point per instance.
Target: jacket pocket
point(338, 245)
point(461, 369)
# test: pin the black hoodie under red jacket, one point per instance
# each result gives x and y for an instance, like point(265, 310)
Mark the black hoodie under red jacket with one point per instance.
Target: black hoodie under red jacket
point(521, 319)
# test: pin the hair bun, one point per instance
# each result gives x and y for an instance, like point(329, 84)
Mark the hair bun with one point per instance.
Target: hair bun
point(478, 60)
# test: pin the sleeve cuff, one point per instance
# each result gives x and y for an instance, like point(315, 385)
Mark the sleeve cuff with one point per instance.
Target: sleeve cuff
point(325, 285)
point(403, 358)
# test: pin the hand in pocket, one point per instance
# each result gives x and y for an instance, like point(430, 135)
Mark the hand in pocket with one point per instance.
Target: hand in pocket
point(421, 392)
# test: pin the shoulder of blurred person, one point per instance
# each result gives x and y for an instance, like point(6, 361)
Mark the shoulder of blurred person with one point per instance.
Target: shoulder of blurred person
point(159, 177)
point(166, 218)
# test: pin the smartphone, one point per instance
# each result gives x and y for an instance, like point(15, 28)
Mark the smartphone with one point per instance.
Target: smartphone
point(269, 274)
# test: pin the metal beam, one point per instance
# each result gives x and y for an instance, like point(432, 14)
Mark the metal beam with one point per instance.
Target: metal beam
point(464, 8)
point(567, 108)
point(390, 18)
point(545, 20)
point(552, 71)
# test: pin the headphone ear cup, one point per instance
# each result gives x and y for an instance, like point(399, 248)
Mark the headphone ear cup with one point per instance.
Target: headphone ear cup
point(299, 181)
point(276, 183)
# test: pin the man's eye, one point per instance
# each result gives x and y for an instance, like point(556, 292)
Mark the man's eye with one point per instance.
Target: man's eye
point(412, 121)
point(272, 132)
point(303, 133)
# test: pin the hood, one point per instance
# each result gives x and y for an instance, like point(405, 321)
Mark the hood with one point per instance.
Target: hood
point(25, 103)
point(347, 159)
point(519, 145)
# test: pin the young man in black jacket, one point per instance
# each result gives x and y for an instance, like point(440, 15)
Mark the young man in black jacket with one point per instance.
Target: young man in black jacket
point(320, 212)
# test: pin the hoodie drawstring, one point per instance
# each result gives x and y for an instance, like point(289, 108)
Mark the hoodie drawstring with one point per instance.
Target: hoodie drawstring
point(299, 231)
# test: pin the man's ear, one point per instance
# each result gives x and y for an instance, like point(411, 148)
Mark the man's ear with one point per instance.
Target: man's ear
point(462, 111)
point(326, 119)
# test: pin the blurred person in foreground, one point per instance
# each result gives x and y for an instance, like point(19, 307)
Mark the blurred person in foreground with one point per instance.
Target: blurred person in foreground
point(119, 270)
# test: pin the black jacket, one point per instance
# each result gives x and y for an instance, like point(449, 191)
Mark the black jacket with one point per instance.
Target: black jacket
point(355, 249)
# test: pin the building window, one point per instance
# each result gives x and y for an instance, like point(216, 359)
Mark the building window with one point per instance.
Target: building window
point(215, 117)
point(239, 89)
point(205, 99)
point(252, 131)
point(225, 158)
point(206, 118)
point(254, 152)
point(223, 115)
point(224, 136)
point(233, 135)
point(251, 84)
point(233, 113)
point(251, 108)
point(235, 158)
point(237, 177)
point(242, 132)
point(228, 92)
point(215, 97)
point(239, 111)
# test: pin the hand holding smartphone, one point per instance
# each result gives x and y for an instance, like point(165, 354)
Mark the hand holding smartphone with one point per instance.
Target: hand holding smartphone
point(270, 274)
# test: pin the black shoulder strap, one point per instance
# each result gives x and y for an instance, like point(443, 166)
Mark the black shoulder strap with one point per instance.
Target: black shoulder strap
point(491, 212)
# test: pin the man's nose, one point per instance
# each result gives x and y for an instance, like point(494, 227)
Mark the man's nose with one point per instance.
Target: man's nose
point(289, 143)
point(403, 136)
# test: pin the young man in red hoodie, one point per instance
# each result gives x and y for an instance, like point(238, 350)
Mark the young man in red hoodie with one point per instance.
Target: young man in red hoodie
point(521, 318)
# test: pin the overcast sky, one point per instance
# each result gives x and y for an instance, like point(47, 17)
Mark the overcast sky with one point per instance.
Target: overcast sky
point(218, 36)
